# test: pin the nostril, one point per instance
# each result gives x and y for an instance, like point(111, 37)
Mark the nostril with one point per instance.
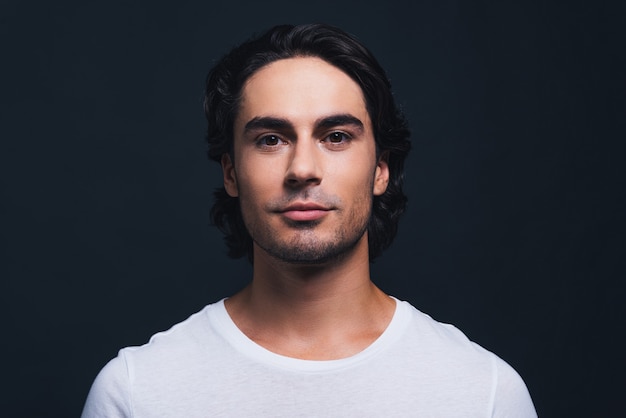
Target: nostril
point(302, 182)
point(304, 164)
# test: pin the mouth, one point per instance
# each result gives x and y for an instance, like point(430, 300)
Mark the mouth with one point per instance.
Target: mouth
point(304, 212)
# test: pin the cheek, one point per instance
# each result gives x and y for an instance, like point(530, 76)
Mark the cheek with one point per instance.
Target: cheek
point(257, 181)
point(354, 187)
point(354, 174)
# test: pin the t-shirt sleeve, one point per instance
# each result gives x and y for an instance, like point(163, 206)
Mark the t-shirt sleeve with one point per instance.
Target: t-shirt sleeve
point(511, 397)
point(109, 395)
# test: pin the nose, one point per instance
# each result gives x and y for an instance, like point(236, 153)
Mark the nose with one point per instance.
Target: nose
point(304, 164)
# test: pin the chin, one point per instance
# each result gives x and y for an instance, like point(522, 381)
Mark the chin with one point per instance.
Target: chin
point(312, 253)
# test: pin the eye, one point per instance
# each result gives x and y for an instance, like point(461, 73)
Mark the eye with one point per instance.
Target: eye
point(269, 141)
point(338, 137)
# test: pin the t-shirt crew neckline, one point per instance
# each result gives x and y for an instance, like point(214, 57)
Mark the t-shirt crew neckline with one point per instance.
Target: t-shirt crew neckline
point(221, 320)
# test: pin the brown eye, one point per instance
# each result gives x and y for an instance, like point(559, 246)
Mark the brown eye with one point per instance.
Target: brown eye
point(337, 137)
point(270, 140)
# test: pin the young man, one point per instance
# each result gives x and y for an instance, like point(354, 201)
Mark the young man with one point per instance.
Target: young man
point(312, 149)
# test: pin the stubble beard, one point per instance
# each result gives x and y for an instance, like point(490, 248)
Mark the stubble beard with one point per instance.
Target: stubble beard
point(305, 246)
point(308, 249)
point(302, 243)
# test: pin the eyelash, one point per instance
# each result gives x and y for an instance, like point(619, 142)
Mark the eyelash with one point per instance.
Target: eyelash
point(262, 141)
point(345, 137)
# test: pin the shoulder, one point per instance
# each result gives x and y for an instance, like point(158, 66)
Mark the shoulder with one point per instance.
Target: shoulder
point(440, 339)
point(449, 355)
point(511, 397)
point(109, 395)
point(181, 339)
point(166, 354)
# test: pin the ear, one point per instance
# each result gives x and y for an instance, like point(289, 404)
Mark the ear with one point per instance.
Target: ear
point(381, 176)
point(230, 177)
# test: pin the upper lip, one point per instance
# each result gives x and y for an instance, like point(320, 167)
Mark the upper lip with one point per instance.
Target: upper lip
point(302, 206)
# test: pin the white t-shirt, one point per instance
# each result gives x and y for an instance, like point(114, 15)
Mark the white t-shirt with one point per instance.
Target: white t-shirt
point(206, 367)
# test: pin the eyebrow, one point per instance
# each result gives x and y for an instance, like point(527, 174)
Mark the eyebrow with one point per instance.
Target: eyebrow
point(267, 122)
point(339, 120)
point(326, 122)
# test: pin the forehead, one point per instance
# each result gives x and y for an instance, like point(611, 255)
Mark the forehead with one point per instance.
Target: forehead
point(300, 89)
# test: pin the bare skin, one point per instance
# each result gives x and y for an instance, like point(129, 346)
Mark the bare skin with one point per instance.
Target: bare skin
point(305, 171)
point(312, 313)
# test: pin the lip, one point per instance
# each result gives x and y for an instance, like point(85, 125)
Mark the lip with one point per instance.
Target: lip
point(304, 211)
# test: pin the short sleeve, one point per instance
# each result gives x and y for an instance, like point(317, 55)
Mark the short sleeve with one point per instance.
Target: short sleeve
point(109, 395)
point(511, 397)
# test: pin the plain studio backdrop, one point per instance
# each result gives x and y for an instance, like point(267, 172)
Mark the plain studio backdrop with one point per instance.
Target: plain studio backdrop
point(515, 226)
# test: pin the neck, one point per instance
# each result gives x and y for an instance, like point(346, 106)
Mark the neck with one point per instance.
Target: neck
point(312, 311)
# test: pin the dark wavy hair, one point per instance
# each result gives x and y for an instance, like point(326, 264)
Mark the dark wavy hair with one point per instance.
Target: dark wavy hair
point(223, 93)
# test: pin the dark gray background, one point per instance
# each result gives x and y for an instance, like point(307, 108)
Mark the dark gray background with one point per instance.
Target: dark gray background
point(514, 233)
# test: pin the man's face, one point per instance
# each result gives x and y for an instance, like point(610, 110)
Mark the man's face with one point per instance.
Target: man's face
point(305, 168)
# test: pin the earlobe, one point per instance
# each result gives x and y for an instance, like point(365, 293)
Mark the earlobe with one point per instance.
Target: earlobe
point(230, 177)
point(381, 177)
